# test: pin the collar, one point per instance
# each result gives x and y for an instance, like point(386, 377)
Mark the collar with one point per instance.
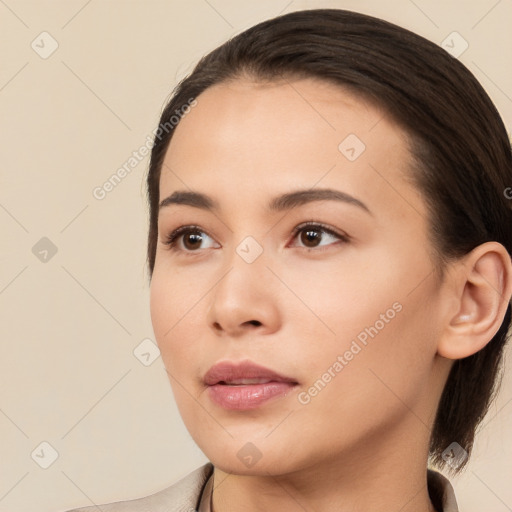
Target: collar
point(440, 490)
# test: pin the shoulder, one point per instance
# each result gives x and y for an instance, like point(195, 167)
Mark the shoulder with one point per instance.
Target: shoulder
point(183, 496)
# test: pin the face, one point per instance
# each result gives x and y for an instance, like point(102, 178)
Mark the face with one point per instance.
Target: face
point(335, 291)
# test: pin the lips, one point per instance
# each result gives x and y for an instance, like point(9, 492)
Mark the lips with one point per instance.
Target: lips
point(242, 373)
point(245, 386)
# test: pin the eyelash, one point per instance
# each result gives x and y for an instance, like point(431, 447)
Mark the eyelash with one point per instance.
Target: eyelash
point(172, 239)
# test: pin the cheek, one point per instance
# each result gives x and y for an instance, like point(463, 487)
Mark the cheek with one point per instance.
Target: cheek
point(337, 299)
point(375, 385)
point(173, 299)
point(160, 305)
point(178, 313)
point(168, 308)
point(372, 320)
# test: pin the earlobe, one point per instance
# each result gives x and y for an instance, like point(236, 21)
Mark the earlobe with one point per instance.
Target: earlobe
point(483, 287)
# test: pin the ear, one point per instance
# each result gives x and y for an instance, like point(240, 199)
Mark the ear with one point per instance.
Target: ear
point(481, 291)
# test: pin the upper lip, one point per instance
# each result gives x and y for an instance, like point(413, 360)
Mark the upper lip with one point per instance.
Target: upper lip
point(228, 371)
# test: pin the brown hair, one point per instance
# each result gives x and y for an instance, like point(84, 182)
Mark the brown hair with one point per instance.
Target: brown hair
point(462, 155)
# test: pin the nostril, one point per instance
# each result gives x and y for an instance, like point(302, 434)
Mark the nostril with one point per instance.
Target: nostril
point(255, 322)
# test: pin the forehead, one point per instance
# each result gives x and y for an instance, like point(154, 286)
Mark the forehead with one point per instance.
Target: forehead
point(268, 136)
point(281, 108)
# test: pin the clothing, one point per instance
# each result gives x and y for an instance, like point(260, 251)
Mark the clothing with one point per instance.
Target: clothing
point(193, 494)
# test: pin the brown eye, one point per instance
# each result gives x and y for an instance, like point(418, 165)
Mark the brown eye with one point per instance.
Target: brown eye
point(312, 235)
point(192, 237)
point(192, 240)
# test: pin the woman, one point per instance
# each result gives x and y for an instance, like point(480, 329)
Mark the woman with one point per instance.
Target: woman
point(329, 250)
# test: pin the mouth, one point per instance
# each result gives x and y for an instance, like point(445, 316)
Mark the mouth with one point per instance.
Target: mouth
point(246, 385)
point(245, 382)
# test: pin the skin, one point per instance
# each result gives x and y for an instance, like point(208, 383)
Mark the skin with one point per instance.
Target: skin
point(362, 442)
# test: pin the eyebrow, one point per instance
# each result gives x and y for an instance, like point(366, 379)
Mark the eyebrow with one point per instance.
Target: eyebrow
point(277, 204)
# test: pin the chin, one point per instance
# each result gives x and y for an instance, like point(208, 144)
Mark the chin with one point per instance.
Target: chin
point(251, 461)
point(234, 466)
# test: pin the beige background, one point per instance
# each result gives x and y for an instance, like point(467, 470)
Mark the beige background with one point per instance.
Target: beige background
point(69, 325)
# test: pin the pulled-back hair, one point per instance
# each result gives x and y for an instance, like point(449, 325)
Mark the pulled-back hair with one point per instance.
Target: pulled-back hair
point(460, 148)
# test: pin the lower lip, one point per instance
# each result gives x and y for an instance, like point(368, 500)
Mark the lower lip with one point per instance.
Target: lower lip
point(247, 396)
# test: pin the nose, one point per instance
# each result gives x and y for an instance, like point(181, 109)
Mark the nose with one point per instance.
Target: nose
point(245, 300)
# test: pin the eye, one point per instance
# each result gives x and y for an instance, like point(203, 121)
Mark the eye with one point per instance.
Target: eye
point(311, 234)
point(191, 239)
